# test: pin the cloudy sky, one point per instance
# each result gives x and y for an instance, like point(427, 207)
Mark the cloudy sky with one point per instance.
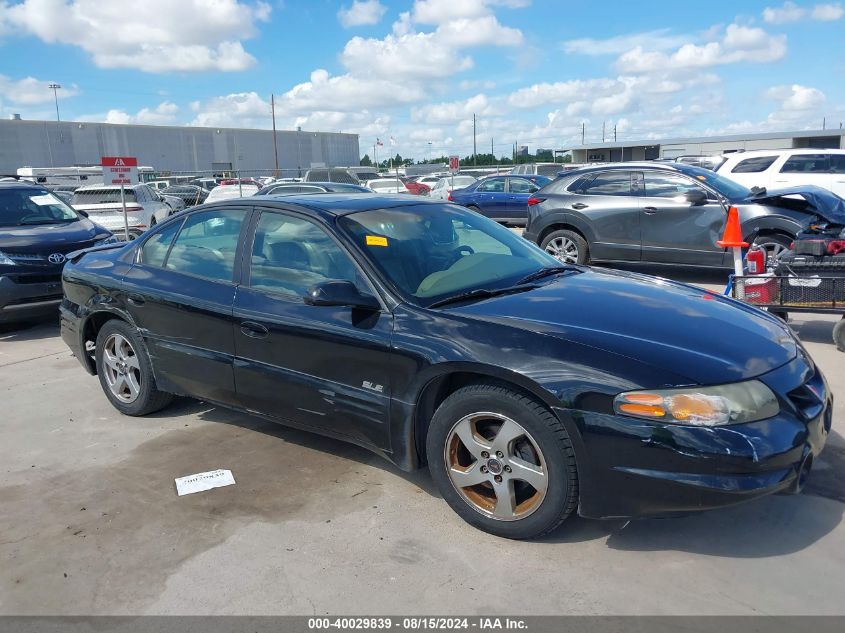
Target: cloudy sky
point(415, 71)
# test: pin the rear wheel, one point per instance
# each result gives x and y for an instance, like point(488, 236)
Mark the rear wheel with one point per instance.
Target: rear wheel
point(567, 246)
point(125, 372)
point(502, 461)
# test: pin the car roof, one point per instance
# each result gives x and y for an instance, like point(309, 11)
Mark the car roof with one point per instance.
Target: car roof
point(780, 152)
point(681, 167)
point(339, 204)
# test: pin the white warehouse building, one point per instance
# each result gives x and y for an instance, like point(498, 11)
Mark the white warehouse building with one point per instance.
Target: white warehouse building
point(705, 146)
point(170, 148)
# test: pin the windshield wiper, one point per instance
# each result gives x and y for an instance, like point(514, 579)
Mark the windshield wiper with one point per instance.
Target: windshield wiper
point(482, 293)
point(545, 272)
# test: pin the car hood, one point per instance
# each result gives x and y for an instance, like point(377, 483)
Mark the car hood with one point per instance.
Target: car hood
point(682, 330)
point(48, 238)
point(818, 201)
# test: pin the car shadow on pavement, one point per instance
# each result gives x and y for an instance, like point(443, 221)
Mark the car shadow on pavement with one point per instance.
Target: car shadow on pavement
point(814, 331)
point(306, 439)
point(29, 330)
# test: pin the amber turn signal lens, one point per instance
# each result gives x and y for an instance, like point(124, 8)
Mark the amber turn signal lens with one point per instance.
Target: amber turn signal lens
point(642, 410)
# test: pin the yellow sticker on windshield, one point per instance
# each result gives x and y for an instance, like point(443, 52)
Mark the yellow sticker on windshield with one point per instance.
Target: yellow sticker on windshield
point(376, 240)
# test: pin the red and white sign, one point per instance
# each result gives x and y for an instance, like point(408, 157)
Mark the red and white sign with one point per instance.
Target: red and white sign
point(120, 170)
point(454, 164)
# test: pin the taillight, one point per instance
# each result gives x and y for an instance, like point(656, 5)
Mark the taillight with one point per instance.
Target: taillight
point(449, 196)
point(534, 200)
point(836, 247)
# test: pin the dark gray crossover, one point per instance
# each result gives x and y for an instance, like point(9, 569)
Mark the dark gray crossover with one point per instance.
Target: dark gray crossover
point(656, 213)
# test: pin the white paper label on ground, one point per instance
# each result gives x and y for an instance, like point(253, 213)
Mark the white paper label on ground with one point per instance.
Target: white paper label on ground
point(203, 481)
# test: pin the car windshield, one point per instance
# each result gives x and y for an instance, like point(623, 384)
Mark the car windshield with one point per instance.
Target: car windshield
point(728, 188)
point(26, 207)
point(433, 251)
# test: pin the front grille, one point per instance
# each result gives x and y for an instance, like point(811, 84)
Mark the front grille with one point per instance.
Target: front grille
point(36, 279)
point(809, 398)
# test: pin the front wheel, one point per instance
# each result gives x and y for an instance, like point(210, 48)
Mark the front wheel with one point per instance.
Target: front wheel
point(502, 461)
point(567, 246)
point(773, 246)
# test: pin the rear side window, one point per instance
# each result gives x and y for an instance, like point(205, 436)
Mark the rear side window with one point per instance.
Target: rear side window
point(207, 244)
point(155, 248)
point(837, 163)
point(610, 183)
point(806, 164)
point(753, 165)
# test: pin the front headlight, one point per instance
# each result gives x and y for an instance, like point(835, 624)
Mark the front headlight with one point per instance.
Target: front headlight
point(701, 406)
point(5, 261)
point(111, 239)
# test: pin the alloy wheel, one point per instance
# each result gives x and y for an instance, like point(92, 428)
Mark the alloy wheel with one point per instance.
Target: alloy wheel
point(773, 251)
point(563, 249)
point(121, 368)
point(496, 466)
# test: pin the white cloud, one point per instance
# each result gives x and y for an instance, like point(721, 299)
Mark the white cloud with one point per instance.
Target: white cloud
point(31, 91)
point(791, 12)
point(164, 113)
point(361, 12)
point(797, 98)
point(738, 44)
point(827, 12)
point(452, 112)
point(660, 39)
point(189, 35)
point(242, 109)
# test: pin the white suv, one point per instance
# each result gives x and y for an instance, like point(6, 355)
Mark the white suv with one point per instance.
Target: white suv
point(777, 169)
point(101, 203)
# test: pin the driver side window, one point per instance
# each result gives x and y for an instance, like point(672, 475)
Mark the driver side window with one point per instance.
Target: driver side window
point(289, 255)
point(494, 185)
point(669, 186)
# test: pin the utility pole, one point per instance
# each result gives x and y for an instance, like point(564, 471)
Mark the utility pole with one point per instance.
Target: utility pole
point(583, 130)
point(54, 88)
point(492, 153)
point(614, 132)
point(474, 151)
point(824, 123)
point(275, 144)
point(602, 131)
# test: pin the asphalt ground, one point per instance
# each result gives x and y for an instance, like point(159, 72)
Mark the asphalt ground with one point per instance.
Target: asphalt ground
point(90, 522)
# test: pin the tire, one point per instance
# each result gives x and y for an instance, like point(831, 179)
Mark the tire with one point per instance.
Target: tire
point(567, 246)
point(839, 334)
point(537, 447)
point(125, 371)
point(774, 245)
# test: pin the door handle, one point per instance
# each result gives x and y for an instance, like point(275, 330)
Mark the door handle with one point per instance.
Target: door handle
point(135, 300)
point(650, 210)
point(254, 330)
point(580, 205)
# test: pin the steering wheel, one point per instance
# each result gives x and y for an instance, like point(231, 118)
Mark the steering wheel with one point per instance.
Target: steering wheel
point(459, 252)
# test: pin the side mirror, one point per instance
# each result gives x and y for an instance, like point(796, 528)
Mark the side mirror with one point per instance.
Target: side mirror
point(696, 197)
point(84, 214)
point(340, 293)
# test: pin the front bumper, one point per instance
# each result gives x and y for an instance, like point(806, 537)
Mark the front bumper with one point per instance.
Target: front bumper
point(26, 296)
point(634, 468)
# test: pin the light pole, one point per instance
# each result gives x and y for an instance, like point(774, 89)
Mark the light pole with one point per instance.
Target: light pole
point(429, 152)
point(54, 88)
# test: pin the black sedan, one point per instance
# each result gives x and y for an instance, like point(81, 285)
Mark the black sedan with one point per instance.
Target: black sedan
point(654, 213)
point(432, 335)
point(191, 195)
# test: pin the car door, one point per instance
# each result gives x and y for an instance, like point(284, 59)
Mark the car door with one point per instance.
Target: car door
point(319, 367)
point(804, 169)
point(519, 190)
point(606, 201)
point(675, 230)
point(180, 293)
point(491, 198)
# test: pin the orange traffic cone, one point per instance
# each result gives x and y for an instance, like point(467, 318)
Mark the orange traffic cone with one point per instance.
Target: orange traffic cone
point(732, 237)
